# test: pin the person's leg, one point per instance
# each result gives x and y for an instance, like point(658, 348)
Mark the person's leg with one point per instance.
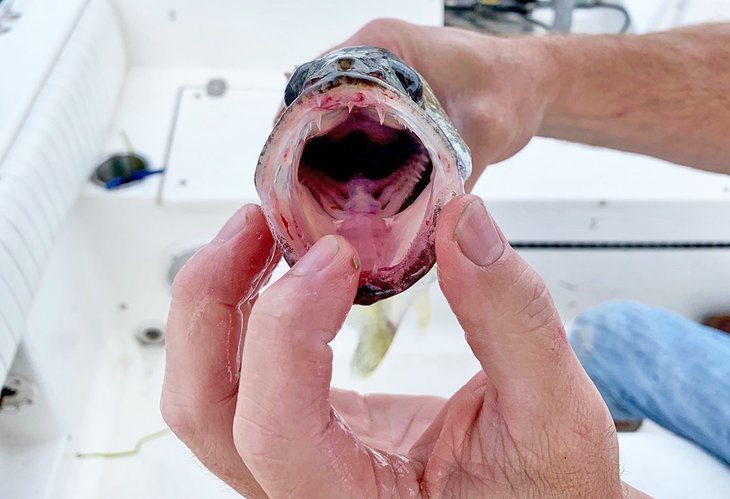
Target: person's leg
point(648, 362)
point(720, 322)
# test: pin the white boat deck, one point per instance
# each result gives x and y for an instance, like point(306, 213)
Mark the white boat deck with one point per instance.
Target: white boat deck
point(104, 274)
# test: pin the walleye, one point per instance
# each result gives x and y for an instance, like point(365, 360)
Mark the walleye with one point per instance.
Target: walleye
point(365, 151)
point(378, 323)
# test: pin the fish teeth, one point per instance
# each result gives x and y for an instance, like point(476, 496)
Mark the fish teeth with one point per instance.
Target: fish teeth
point(350, 105)
point(318, 121)
point(381, 115)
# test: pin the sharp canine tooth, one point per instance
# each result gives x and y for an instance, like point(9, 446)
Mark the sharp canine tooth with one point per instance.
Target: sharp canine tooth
point(318, 121)
point(319, 100)
point(350, 105)
point(381, 115)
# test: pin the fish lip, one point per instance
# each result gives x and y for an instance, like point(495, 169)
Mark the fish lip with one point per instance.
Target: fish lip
point(338, 81)
point(295, 126)
point(373, 288)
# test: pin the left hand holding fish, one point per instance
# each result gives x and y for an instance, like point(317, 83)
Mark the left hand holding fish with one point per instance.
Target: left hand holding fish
point(529, 424)
point(213, 297)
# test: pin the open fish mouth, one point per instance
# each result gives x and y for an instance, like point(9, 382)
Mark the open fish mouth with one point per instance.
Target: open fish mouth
point(354, 157)
point(363, 161)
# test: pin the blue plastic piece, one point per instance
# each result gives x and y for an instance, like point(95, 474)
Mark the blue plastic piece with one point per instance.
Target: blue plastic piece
point(137, 175)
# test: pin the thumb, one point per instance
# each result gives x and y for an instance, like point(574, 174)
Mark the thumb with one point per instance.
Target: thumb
point(285, 429)
point(503, 305)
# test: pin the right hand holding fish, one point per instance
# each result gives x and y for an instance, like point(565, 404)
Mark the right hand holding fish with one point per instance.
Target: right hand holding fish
point(260, 413)
point(494, 90)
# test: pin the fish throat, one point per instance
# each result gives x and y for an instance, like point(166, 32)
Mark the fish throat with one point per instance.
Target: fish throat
point(367, 163)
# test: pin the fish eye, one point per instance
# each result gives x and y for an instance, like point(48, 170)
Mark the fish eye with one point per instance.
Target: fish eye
point(296, 82)
point(409, 79)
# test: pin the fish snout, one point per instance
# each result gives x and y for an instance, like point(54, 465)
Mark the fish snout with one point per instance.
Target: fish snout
point(346, 63)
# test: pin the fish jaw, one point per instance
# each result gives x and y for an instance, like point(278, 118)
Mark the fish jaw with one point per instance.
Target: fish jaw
point(355, 158)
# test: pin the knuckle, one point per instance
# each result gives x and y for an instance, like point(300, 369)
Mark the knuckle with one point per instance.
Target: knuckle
point(536, 309)
point(254, 437)
point(383, 32)
point(271, 316)
point(177, 416)
point(190, 282)
point(380, 27)
point(184, 287)
point(590, 417)
point(501, 131)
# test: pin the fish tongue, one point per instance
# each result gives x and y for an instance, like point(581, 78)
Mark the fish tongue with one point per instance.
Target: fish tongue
point(360, 200)
point(367, 234)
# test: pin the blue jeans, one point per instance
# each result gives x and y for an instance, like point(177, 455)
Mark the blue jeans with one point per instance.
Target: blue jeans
point(650, 363)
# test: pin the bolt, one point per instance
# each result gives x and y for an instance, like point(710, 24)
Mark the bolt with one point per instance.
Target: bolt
point(217, 87)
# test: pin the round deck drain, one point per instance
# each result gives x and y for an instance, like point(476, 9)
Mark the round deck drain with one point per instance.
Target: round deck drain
point(151, 334)
point(16, 393)
point(120, 170)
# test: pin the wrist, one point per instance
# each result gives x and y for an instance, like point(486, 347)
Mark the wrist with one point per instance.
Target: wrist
point(583, 89)
point(499, 92)
point(561, 59)
point(545, 75)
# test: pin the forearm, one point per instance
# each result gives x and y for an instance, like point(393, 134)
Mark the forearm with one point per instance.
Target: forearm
point(663, 94)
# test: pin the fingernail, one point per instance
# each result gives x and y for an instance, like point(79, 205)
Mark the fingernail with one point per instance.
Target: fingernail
point(477, 235)
point(318, 257)
point(235, 224)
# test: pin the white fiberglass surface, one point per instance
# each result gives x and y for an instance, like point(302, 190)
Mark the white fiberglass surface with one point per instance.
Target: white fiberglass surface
point(107, 276)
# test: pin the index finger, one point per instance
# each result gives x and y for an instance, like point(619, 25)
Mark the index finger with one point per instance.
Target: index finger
point(205, 323)
point(212, 297)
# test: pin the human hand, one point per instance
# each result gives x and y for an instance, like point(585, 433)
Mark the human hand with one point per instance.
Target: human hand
point(494, 90)
point(530, 423)
point(213, 296)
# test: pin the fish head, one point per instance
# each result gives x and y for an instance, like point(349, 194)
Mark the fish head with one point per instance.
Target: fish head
point(363, 150)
